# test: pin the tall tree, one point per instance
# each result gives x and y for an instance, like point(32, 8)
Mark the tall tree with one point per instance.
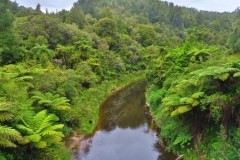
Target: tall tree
point(76, 16)
point(42, 53)
point(8, 42)
point(38, 7)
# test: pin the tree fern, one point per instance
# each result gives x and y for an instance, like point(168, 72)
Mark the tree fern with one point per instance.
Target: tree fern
point(236, 74)
point(7, 143)
point(40, 130)
point(205, 76)
point(180, 110)
point(5, 116)
point(52, 139)
point(182, 102)
point(40, 144)
point(182, 138)
point(7, 134)
point(198, 95)
point(38, 50)
point(53, 101)
point(198, 55)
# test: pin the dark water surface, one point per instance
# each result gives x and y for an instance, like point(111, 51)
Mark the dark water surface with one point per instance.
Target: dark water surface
point(125, 130)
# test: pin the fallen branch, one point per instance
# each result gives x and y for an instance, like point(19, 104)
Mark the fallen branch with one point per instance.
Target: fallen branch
point(179, 157)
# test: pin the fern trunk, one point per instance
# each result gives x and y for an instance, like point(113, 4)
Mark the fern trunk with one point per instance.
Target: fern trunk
point(30, 151)
point(197, 126)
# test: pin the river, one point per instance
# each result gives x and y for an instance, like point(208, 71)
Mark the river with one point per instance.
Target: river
point(125, 130)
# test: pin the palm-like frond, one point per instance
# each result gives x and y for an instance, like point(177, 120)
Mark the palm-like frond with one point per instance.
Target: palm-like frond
point(217, 72)
point(171, 98)
point(62, 108)
point(180, 110)
point(50, 100)
point(5, 116)
point(23, 78)
point(61, 103)
point(7, 143)
point(203, 77)
point(7, 135)
point(40, 144)
point(52, 133)
point(42, 128)
point(198, 55)
point(31, 138)
point(7, 76)
point(25, 129)
point(51, 130)
point(52, 139)
point(197, 95)
point(236, 74)
point(45, 121)
point(180, 103)
point(38, 50)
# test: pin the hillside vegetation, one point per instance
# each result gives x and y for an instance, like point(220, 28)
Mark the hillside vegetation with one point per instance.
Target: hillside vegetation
point(56, 68)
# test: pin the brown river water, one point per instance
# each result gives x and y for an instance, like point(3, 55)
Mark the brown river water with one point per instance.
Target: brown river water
point(125, 130)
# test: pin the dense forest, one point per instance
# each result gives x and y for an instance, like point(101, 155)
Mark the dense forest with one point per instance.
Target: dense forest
point(57, 67)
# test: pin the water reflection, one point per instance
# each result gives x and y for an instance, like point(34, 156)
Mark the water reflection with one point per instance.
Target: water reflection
point(124, 130)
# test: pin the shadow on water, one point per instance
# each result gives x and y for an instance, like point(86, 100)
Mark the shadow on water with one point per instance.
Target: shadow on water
point(125, 130)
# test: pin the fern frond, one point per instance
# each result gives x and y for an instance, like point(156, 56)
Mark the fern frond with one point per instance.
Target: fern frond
point(166, 109)
point(52, 133)
point(222, 76)
point(195, 103)
point(49, 96)
point(52, 139)
point(198, 95)
point(182, 138)
point(23, 78)
point(5, 116)
point(9, 133)
point(236, 74)
point(170, 98)
point(173, 103)
point(25, 129)
point(186, 100)
point(55, 127)
point(180, 110)
point(40, 144)
point(47, 122)
point(7, 143)
point(45, 102)
point(60, 101)
point(8, 76)
point(32, 138)
point(62, 108)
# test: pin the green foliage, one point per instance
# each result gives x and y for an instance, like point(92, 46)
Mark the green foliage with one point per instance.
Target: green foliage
point(40, 130)
point(76, 16)
point(7, 134)
point(8, 38)
point(182, 138)
point(53, 101)
point(107, 28)
point(183, 51)
point(203, 96)
point(43, 54)
point(234, 40)
point(57, 151)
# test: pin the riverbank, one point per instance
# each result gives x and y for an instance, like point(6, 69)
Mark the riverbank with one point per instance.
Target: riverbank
point(89, 103)
point(123, 123)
